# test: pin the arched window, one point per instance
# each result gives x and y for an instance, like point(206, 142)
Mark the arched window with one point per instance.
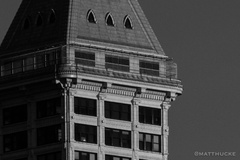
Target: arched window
point(52, 17)
point(109, 20)
point(39, 20)
point(91, 17)
point(26, 24)
point(127, 22)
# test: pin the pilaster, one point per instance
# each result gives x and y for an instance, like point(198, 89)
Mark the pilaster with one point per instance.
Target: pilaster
point(165, 129)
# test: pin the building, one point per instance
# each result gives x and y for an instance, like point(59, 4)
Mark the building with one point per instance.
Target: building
point(84, 80)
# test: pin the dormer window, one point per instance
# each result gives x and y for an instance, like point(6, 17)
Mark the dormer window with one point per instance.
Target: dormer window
point(52, 17)
point(109, 20)
point(26, 24)
point(91, 17)
point(39, 20)
point(127, 22)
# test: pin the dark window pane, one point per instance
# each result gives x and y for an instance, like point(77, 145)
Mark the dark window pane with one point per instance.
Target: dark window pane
point(15, 114)
point(149, 115)
point(85, 106)
point(149, 68)
point(118, 111)
point(85, 133)
point(85, 58)
point(50, 156)
point(149, 142)
point(117, 63)
point(50, 134)
point(112, 157)
point(49, 107)
point(79, 155)
point(15, 141)
point(119, 138)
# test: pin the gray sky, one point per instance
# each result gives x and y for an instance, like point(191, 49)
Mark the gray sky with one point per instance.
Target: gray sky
point(203, 37)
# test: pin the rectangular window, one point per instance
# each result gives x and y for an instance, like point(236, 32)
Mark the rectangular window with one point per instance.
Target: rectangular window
point(118, 138)
point(112, 157)
point(50, 156)
point(15, 114)
point(17, 66)
point(85, 58)
point(117, 63)
point(79, 155)
point(40, 61)
point(85, 133)
point(15, 141)
point(28, 63)
point(149, 115)
point(49, 134)
point(48, 107)
point(149, 142)
point(117, 111)
point(85, 106)
point(50, 58)
point(149, 68)
point(7, 68)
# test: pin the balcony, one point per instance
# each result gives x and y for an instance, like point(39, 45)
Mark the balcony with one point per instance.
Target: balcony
point(50, 63)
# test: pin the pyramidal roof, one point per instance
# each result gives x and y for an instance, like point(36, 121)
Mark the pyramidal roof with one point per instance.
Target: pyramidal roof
point(110, 23)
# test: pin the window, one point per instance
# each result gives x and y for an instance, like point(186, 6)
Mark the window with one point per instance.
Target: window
point(85, 133)
point(6, 69)
point(15, 114)
point(111, 157)
point(91, 17)
point(127, 22)
point(109, 20)
point(17, 66)
point(149, 142)
point(39, 21)
point(15, 141)
point(117, 63)
point(48, 107)
point(118, 111)
point(149, 68)
point(28, 63)
point(149, 115)
point(50, 156)
point(79, 155)
point(26, 24)
point(49, 134)
point(52, 17)
point(85, 58)
point(118, 138)
point(85, 106)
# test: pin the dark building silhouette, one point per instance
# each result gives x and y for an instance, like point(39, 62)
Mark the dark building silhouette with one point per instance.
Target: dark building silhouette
point(84, 80)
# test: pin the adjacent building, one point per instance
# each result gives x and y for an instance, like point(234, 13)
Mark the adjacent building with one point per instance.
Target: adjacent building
point(84, 80)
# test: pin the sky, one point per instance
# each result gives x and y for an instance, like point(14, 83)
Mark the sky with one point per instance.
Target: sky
point(203, 38)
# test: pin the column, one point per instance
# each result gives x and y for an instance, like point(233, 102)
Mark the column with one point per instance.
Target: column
point(101, 119)
point(135, 122)
point(165, 129)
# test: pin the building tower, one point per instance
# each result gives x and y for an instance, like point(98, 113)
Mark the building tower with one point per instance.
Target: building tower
point(84, 80)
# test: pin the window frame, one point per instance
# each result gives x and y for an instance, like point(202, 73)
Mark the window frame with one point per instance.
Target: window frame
point(49, 134)
point(146, 142)
point(13, 111)
point(88, 155)
point(112, 157)
point(116, 138)
point(149, 68)
point(147, 115)
point(114, 108)
point(48, 107)
point(85, 58)
point(18, 141)
point(87, 109)
point(87, 136)
point(117, 63)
